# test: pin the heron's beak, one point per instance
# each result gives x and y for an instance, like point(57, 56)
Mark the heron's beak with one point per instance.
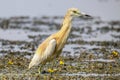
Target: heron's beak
point(86, 16)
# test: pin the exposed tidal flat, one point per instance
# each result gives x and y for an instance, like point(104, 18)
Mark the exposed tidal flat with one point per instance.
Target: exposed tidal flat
point(91, 52)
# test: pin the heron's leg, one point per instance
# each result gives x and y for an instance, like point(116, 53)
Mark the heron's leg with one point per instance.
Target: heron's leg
point(40, 69)
point(59, 58)
point(53, 63)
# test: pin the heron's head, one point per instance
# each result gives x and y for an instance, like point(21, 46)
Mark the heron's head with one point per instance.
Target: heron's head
point(74, 12)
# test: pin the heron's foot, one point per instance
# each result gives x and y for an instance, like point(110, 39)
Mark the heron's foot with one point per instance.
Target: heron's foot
point(39, 71)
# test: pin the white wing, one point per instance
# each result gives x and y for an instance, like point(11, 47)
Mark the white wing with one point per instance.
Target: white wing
point(39, 58)
point(50, 49)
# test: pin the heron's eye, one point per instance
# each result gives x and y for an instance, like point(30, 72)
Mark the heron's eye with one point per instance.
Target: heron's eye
point(75, 11)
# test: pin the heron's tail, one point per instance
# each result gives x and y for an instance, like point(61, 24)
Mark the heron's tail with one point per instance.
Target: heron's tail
point(30, 65)
point(35, 61)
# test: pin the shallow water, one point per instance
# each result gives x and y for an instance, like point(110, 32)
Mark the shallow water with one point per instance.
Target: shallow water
point(88, 51)
point(90, 74)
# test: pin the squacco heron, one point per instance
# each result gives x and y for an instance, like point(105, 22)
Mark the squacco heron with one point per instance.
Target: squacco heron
point(52, 47)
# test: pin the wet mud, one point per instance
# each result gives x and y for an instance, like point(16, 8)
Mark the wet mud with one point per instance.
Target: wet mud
point(91, 52)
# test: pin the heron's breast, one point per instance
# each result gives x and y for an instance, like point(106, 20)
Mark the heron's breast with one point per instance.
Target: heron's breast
point(62, 39)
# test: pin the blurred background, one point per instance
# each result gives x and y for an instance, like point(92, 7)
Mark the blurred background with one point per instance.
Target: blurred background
point(106, 9)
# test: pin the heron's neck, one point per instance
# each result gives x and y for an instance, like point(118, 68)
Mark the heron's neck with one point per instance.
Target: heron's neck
point(66, 23)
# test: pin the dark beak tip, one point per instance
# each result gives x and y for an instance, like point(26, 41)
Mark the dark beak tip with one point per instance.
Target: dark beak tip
point(88, 16)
